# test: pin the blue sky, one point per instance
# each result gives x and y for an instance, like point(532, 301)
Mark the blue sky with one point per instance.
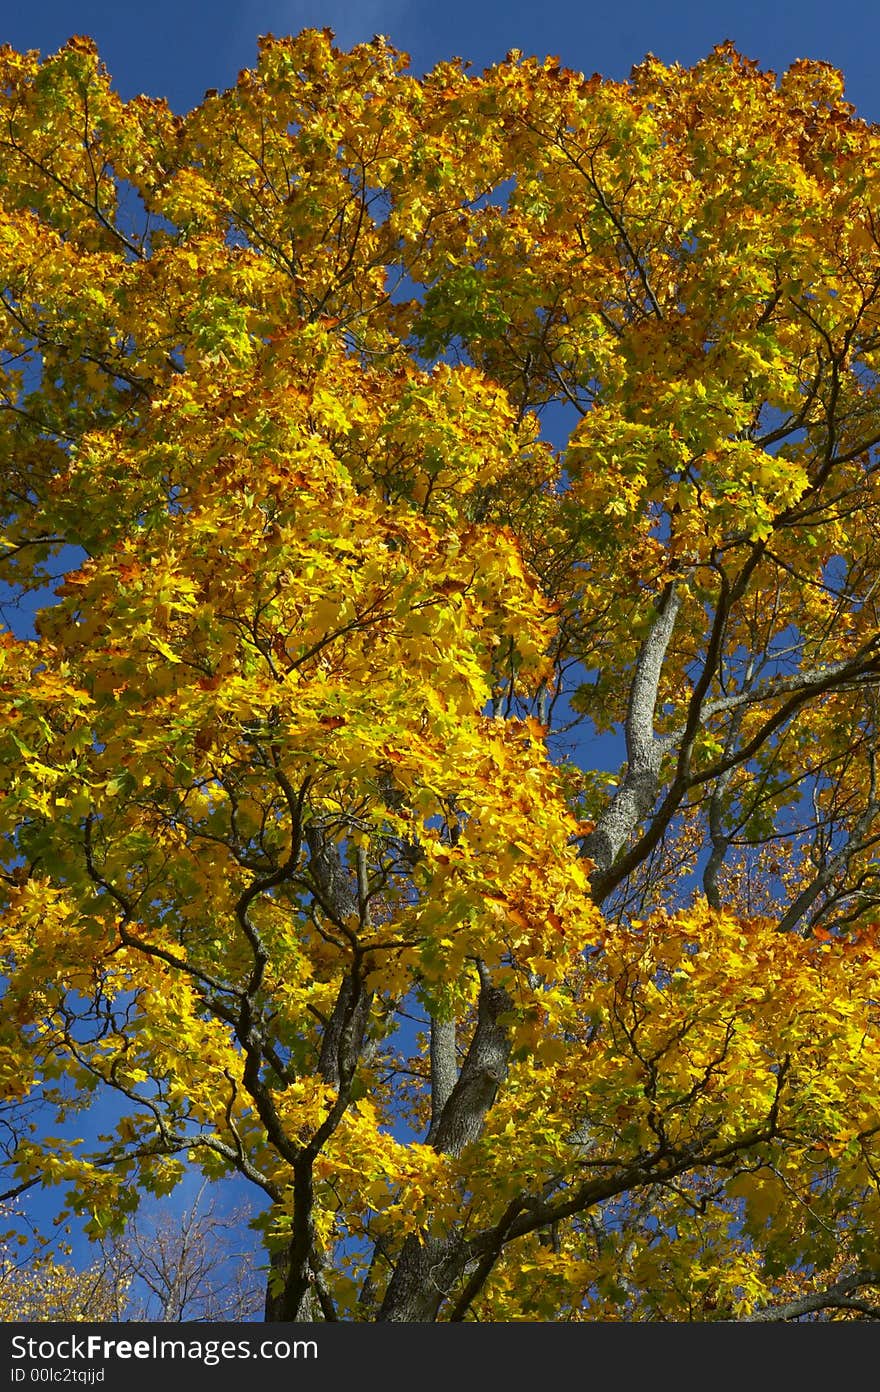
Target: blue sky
point(178, 48)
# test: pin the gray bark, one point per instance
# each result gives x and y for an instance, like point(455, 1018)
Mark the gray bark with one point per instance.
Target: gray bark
point(483, 1070)
point(427, 1269)
point(344, 1032)
point(425, 1274)
point(444, 1069)
point(638, 791)
point(328, 873)
point(842, 1295)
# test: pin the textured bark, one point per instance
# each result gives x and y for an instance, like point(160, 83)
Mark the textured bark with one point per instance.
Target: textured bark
point(444, 1069)
point(332, 881)
point(429, 1267)
point(276, 1305)
point(484, 1068)
point(841, 1295)
point(344, 1033)
point(425, 1274)
point(638, 790)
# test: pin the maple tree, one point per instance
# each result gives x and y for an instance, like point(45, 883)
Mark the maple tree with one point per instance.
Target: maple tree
point(37, 1283)
point(49, 1291)
point(314, 861)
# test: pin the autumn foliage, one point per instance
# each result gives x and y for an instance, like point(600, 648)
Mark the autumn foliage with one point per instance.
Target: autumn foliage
point(441, 787)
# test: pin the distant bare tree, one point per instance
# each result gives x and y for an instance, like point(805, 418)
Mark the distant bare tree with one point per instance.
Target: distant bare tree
point(196, 1266)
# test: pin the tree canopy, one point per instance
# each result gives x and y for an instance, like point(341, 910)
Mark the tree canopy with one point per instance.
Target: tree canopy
point(442, 789)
